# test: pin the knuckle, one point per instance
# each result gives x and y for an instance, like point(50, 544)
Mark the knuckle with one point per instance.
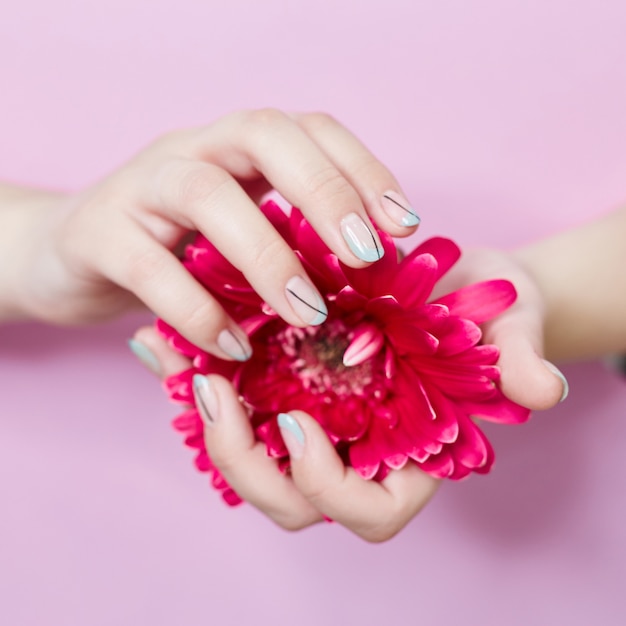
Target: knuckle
point(269, 252)
point(206, 320)
point(169, 141)
point(317, 493)
point(317, 120)
point(224, 458)
point(142, 267)
point(368, 167)
point(328, 183)
point(381, 532)
point(262, 119)
point(197, 185)
point(291, 521)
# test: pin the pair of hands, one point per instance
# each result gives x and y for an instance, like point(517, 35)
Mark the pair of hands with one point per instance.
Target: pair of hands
point(101, 251)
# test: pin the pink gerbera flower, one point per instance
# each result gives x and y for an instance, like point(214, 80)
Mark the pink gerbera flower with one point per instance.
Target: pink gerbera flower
point(392, 377)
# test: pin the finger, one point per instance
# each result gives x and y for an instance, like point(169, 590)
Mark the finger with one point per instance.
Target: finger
point(272, 143)
point(379, 190)
point(526, 378)
point(211, 201)
point(372, 510)
point(156, 354)
point(157, 277)
point(243, 461)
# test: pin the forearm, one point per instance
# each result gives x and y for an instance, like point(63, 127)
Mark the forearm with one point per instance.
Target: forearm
point(20, 218)
point(582, 274)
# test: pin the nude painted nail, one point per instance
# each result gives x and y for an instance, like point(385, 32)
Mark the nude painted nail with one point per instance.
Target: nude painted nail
point(206, 400)
point(399, 210)
point(292, 435)
point(361, 238)
point(145, 355)
point(306, 301)
point(559, 374)
point(238, 348)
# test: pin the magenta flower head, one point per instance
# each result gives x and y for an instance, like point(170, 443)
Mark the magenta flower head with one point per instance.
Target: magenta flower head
point(392, 376)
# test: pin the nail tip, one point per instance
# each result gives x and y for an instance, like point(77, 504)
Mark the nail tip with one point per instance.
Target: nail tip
point(199, 381)
point(320, 318)
point(144, 355)
point(411, 220)
point(287, 422)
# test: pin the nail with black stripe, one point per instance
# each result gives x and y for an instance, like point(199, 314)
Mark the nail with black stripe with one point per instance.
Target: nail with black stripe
point(361, 238)
point(306, 301)
point(234, 345)
point(399, 209)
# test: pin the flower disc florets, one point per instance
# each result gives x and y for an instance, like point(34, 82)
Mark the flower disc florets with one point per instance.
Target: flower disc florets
point(392, 376)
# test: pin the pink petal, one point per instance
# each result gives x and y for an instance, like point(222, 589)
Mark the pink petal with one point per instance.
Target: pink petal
point(364, 460)
point(408, 339)
point(497, 409)
point(446, 418)
point(481, 302)
point(203, 462)
point(438, 465)
point(471, 449)
point(415, 280)
point(179, 387)
point(459, 335)
point(349, 300)
point(445, 251)
point(367, 341)
point(188, 422)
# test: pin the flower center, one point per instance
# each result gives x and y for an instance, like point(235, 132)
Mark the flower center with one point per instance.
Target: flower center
point(315, 356)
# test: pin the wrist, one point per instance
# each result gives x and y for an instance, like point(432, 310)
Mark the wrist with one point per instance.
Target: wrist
point(22, 215)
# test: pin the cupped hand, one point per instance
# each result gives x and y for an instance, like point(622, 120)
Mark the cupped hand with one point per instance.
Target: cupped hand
point(318, 484)
point(526, 376)
point(95, 253)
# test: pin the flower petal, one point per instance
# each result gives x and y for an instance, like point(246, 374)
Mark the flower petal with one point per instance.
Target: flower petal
point(366, 342)
point(438, 465)
point(497, 409)
point(444, 250)
point(459, 335)
point(471, 449)
point(481, 302)
point(415, 280)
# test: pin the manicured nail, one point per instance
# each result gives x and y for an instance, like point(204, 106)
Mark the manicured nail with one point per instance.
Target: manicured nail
point(292, 434)
point(145, 355)
point(399, 209)
point(559, 374)
point(306, 301)
point(361, 238)
point(238, 348)
point(206, 399)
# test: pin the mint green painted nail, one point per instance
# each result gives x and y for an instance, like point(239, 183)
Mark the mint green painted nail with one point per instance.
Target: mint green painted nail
point(289, 423)
point(145, 355)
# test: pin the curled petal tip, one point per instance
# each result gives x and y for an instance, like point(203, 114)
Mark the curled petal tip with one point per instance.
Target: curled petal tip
point(367, 341)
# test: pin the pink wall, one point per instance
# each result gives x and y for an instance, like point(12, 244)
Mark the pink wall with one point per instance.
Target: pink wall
point(504, 119)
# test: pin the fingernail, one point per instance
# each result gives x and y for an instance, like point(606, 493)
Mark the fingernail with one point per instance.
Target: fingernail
point(238, 348)
point(361, 239)
point(399, 210)
point(206, 399)
point(292, 435)
point(559, 374)
point(306, 301)
point(145, 355)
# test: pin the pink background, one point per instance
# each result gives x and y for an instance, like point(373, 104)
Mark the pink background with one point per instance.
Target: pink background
point(504, 120)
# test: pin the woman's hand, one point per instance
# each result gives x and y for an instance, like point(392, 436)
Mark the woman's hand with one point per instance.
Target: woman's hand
point(91, 255)
point(526, 377)
point(318, 485)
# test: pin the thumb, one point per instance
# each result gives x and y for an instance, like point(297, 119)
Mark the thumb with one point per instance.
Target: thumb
point(526, 377)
